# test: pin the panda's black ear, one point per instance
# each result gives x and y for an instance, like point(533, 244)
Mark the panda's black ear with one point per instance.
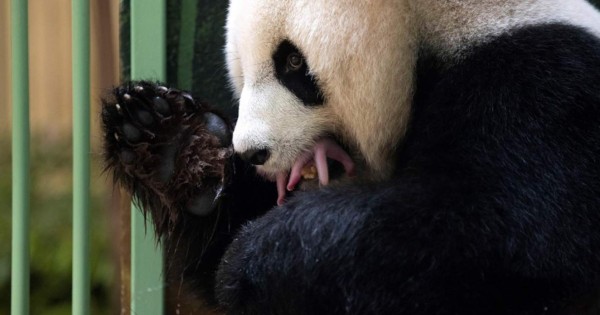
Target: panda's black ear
point(291, 69)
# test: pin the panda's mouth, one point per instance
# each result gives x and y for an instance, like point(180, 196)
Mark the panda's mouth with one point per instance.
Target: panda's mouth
point(316, 157)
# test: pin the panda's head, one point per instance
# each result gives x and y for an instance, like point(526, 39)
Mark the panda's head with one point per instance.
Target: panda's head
point(337, 73)
point(305, 71)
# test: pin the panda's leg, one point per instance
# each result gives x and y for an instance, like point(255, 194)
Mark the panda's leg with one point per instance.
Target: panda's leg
point(387, 250)
point(174, 155)
point(352, 250)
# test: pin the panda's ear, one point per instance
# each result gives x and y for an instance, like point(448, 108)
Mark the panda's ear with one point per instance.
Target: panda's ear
point(235, 71)
point(231, 51)
point(292, 70)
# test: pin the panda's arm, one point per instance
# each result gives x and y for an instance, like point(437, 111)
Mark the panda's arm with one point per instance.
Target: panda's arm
point(494, 209)
point(174, 155)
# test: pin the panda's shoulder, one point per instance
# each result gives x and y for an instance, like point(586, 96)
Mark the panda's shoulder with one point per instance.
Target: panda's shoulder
point(557, 45)
point(542, 78)
point(550, 57)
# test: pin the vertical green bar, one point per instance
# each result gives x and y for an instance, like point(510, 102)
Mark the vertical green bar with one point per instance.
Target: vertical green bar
point(81, 157)
point(20, 159)
point(185, 53)
point(148, 60)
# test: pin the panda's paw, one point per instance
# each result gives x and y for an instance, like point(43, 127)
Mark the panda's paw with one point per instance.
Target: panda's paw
point(171, 151)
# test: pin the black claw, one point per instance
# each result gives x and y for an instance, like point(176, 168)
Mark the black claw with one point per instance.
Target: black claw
point(187, 96)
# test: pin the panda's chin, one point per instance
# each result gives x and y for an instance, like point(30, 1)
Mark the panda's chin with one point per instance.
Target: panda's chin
point(322, 158)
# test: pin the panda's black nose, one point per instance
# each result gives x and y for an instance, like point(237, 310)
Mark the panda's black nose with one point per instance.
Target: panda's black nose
point(256, 156)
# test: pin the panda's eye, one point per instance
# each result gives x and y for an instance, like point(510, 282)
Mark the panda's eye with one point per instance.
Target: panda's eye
point(292, 70)
point(294, 61)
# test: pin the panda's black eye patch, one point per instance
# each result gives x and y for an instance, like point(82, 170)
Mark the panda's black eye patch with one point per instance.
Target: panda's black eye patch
point(292, 71)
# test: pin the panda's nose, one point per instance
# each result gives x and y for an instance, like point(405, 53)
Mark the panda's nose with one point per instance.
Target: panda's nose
point(256, 156)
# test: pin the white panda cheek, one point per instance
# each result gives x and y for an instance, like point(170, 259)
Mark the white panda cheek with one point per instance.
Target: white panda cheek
point(271, 117)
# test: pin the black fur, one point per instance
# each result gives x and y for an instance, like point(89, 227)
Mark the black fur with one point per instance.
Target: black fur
point(299, 81)
point(494, 208)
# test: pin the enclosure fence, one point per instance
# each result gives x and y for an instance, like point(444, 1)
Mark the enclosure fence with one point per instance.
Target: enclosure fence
point(148, 28)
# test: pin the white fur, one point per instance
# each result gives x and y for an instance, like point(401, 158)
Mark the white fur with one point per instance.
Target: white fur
point(451, 26)
point(357, 86)
point(363, 54)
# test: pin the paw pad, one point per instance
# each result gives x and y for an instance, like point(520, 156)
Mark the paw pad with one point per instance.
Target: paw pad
point(161, 142)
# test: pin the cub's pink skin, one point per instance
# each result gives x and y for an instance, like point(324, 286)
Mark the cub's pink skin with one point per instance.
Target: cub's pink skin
point(281, 178)
point(317, 155)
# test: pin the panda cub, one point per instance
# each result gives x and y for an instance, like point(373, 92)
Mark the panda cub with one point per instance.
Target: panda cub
point(457, 150)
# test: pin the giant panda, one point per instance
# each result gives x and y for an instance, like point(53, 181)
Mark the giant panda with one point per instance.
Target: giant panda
point(457, 148)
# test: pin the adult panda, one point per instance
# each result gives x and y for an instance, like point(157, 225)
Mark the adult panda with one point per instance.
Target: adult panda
point(471, 131)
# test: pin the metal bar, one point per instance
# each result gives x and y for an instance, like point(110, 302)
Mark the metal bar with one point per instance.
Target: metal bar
point(187, 41)
point(81, 155)
point(148, 61)
point(20, 159)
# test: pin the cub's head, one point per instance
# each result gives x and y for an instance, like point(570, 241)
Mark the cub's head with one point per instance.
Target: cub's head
point(329, 78)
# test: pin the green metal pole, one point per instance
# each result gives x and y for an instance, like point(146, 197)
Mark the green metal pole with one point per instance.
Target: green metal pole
point(20, 159)
point(148, 61)
point(185, 53)
point(81, 155)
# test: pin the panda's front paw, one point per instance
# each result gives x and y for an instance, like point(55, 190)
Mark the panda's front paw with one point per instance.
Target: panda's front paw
point(171, 151)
